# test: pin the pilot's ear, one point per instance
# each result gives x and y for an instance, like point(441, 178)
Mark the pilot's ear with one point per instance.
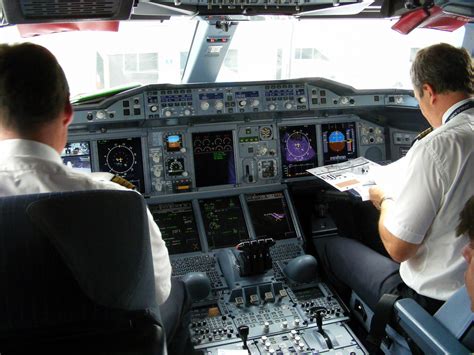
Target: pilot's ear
point(68, 114)
point(429, 90)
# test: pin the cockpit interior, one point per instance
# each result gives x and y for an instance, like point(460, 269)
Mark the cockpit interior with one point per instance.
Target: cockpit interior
point(215, 110)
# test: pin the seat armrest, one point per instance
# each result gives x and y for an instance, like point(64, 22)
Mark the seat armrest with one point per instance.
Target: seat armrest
point(427, 332)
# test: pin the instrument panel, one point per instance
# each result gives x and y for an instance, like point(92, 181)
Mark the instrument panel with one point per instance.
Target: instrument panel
point(181, 159)
point(169, 139)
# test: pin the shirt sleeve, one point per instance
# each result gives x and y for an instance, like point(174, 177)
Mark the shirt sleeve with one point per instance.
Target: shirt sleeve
point(161, 261)
point(419, 197)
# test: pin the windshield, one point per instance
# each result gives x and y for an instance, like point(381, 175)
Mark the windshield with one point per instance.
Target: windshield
point(366, 54)
point(361, 53)
point(141, 52)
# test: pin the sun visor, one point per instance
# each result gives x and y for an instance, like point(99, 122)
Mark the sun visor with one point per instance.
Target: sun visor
point(36, 29)
point(434, 18)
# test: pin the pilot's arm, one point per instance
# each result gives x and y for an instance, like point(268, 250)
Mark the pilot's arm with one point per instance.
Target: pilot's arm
point(398, 249)
point(161, 261)
point(404, 221)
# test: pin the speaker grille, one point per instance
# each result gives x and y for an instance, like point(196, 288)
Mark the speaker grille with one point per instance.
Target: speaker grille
point(50, 9)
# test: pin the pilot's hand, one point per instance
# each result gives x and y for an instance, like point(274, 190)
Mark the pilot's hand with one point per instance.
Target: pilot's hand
point(376, 195)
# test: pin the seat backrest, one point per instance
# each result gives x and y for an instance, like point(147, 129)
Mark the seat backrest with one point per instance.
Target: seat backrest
point(76, 275)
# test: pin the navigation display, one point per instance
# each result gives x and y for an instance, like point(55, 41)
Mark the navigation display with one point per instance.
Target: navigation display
point(214, 158)
point(270, 215)
point(298, 150)
point(123, 157)
point(77, 156)
point(224, 222)
point(339, 142)
point(178, 226)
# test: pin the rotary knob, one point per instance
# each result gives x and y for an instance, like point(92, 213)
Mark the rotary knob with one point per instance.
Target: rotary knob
point(272, 107)
point(187, 112)
point(167, 113)
point(100, 115)
point(153, 108)
point(344, 100)
point(243, 103)
point(255, 103)
point(219, 105)
point(204, 105)
point(288, 105)
point(301, 99)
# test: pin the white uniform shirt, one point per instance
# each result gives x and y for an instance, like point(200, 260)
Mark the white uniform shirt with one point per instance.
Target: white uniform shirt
point(439, 180)
point(28, 167)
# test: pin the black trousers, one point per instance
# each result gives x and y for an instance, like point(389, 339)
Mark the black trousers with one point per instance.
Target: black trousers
point(350, 265)
point(175, 314)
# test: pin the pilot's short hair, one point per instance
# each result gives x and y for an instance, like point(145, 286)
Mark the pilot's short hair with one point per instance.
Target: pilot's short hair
point(444, 67)
point(466, 219)
point(33, 87)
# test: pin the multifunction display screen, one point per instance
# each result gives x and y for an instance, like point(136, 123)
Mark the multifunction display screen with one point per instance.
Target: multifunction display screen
point(339, 142)
point(178, 226)
point(122, 157)
point(298, 150)
point(214, 162)
point(77, 156)
point(224, 221)
point(270, 215)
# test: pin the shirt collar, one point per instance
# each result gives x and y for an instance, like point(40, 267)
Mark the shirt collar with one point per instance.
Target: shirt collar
point(454, 107)
point(24, 147)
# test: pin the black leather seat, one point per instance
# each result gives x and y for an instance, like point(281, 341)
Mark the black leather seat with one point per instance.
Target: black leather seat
point(76, 275)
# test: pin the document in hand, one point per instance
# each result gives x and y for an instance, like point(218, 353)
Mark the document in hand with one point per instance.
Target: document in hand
point(353, 174)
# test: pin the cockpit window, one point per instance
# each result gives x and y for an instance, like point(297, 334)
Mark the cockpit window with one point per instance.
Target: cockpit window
point(143, 52)
point(366, 54)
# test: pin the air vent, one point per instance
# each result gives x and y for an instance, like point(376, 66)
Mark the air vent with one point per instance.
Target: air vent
point(31, 11)
point(66, 9)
